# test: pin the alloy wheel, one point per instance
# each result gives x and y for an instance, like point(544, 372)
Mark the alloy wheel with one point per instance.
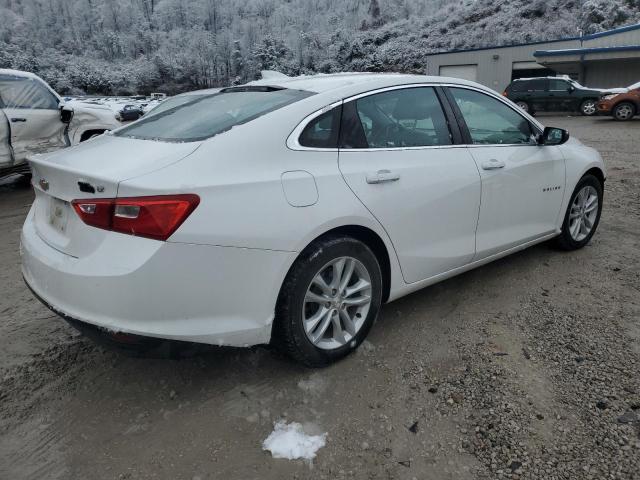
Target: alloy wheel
point(589, 107)
point(583, 214)
point(337, 303)
point(523, 105)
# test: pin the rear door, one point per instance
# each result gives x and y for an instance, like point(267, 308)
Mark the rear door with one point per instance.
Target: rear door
point(33, 113)
point(522, 182)
point(537, 92)
point(398, 156)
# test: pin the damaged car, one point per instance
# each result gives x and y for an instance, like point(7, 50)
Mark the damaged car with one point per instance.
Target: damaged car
point(35, 119)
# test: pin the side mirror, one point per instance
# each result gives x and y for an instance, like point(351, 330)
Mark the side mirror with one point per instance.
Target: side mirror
point(571, 88)
point(66, 114)
point(553, 136)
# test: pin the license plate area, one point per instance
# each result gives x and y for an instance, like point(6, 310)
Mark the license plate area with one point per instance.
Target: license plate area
point(58, 214)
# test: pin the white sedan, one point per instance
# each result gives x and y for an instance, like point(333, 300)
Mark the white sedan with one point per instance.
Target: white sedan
point(289, 210)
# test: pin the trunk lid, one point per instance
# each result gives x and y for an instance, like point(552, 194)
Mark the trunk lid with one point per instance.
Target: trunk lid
point(92, 169)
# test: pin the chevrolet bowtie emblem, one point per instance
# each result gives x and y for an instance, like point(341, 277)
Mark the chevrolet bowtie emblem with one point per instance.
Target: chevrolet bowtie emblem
point(44, 184)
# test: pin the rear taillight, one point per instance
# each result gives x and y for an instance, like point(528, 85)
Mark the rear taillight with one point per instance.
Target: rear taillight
point(154, 217)
point(504, 94)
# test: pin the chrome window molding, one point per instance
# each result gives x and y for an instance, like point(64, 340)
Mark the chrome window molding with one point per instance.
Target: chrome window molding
point(293, 140)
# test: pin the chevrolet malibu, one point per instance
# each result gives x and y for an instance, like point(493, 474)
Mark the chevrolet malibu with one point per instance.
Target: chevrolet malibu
point(288, 210)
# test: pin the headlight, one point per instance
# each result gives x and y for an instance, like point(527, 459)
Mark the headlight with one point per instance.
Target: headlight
point(609, 97)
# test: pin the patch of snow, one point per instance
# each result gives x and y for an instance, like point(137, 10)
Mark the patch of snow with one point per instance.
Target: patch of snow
point(290, 441)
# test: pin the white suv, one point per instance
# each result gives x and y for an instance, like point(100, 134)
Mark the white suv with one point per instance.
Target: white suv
point(34, 119)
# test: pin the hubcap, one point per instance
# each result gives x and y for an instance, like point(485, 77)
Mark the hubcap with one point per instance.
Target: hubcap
point(584, 211)
point(589, 108)
point(337, 303)
point(523, 106)
point(623, 112)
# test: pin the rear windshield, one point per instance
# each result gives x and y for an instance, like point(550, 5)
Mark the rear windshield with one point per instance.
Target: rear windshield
point(208, 115)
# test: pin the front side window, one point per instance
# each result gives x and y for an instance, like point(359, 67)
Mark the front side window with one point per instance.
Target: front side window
point(490, 121)
point(209, 115)
point(558, 86)
point(410, 117)
point(20, 92)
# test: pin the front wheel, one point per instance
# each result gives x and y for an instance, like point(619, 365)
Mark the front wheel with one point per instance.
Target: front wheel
point(583, 214)
point(624, 111)
point(328, 302)
point(588, 107)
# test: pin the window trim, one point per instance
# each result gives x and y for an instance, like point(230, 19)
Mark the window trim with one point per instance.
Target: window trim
point(455, 132)
point(293, 140)
point(468, 142)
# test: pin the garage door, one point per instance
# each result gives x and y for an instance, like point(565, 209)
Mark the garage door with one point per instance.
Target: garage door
point(467, 72)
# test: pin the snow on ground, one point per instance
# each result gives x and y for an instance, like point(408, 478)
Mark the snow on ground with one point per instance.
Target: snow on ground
point(290, 441)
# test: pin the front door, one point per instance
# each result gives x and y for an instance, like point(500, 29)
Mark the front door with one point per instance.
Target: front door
point(560, 95)
point(397, 156)
point(6, 155)
point(33, 114)
point(522, 182)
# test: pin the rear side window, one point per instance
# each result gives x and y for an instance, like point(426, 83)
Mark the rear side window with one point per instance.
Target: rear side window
point(209, 115)
point(410, 117)
point(518, 87)
point(491, 122)
point(322, 131)
point(537, 85)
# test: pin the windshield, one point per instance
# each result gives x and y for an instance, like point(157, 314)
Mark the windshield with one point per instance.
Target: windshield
point(202, 117)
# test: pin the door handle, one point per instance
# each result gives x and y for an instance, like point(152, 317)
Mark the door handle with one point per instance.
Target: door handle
point(16, 120)
point(382, 176)
point(493, 164)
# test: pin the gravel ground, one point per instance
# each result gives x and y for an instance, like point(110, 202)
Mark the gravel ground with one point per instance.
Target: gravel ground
point(526, 368)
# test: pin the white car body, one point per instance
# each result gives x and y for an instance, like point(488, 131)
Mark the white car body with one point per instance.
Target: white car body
point(30, 121)
point(264, 199)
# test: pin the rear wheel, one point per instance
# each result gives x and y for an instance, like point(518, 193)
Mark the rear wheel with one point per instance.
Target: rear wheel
point(328, 302)
point(624, 111)
point(583, 214)
point(588, 107)
point(523, 105)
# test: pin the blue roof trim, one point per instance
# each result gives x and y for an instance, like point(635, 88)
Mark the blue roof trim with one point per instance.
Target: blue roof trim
point(615, 31)
point(494, 47)
point(582, 51)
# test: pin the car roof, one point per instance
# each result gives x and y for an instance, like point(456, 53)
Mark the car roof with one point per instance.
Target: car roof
point(323, 82)
point(543, 78)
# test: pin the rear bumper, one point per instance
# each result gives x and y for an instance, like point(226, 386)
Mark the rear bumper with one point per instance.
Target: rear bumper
point(194, 293)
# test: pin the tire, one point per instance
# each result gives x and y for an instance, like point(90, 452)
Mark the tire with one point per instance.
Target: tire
point(523, 106)
point(588, 107)
point(624, 111)
point(294, 304)
point(568, 239)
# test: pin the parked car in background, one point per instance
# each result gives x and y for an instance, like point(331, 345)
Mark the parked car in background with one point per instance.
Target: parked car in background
point(129, 113)
point(622, 106)
point(557, 94)
point(289, 209)
point(34, 119)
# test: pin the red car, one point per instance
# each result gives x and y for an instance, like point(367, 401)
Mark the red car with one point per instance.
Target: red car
point(623, 106)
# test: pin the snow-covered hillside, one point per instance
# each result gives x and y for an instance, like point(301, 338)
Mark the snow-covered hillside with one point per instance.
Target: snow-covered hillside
point(136, 46)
